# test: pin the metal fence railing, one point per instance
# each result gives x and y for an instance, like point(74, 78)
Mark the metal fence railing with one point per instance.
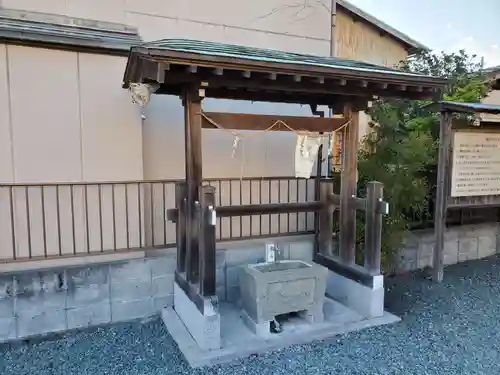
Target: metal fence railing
point(40, 221)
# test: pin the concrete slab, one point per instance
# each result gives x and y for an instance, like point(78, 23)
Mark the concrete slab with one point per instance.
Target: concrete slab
point(238, 341)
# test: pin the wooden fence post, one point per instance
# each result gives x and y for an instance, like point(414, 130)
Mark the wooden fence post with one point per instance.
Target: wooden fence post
point(373, 226)
point(180, 204)
point(325, 219)
point(442, 192)
point(207, 242)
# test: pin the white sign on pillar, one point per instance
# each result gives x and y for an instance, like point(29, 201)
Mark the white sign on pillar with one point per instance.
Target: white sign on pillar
point(306, 151)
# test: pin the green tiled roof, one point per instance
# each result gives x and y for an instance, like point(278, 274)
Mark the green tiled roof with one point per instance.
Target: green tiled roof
point(269, 55)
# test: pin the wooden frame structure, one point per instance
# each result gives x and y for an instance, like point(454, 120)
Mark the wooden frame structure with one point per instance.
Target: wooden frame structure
point(444, 200)
point(195, 70)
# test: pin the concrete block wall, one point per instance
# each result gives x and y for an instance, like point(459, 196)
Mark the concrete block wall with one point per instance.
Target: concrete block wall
point(37, 303)
point(48, 301)
point(462, 243)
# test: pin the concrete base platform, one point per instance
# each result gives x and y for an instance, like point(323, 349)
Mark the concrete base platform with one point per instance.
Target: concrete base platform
point(237, 341)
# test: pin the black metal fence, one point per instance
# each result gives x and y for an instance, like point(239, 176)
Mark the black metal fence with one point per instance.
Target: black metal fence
point(40, 221)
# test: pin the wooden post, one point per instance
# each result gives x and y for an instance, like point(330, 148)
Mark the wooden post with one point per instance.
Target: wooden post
point(442, 191)
point(373, 227)
point(325, 220)
point(207, 241)
point(317, 184)
point(180, 224)
point(192, 138)
point(348, 184)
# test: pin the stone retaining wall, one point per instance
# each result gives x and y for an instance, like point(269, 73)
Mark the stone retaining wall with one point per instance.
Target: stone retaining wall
point(462, 243)
point(39, 302)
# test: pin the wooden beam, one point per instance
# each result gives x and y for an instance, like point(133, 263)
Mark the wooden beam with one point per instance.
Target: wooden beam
point(160, 74)
point(254, 94)
point(348, 188)
point(442, 191)
point(269, 81)
point(244, 121)
point(258, 209)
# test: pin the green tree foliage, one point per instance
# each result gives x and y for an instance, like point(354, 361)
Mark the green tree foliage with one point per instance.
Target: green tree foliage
point(400, 149)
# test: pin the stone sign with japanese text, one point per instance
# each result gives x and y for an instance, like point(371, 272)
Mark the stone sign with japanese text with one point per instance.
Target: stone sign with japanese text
point(476, 164)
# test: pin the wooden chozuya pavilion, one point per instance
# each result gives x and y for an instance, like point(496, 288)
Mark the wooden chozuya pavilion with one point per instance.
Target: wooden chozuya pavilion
point(196, 70)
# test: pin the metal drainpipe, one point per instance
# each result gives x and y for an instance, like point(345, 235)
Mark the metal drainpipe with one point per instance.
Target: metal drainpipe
point(333, 20)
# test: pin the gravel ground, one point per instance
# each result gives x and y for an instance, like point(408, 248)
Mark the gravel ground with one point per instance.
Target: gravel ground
point(452, 328)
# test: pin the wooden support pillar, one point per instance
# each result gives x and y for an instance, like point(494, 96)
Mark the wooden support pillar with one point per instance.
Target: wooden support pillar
point(442, 191)
point(207, 241)
point(373, 227)
point(317, 182)
point(325, 220)
point(348, 184)
point(192, 139)
point(180, 205)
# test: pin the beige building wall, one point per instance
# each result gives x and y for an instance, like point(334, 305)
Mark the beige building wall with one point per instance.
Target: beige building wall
point(278, 24)
point(65, 118)
point(265, 24)
point(361, 41)
point(492, 98)
point(95, 152)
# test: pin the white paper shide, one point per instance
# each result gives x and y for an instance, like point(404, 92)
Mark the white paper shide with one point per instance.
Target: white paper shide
point(306, 151)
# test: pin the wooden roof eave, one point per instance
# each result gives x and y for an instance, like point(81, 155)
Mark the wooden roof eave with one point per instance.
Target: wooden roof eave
point(285, 68)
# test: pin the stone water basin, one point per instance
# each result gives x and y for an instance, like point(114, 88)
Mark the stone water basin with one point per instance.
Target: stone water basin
point(272, 289)
point(280, 266)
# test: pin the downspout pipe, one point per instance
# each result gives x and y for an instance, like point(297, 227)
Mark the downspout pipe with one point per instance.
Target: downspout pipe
point(333, 53)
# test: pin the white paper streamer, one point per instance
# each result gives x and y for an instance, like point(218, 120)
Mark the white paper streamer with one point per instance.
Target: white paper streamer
point(306, 151)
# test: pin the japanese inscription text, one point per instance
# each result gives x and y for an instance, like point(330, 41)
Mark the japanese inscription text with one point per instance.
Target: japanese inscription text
point(476, 164)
